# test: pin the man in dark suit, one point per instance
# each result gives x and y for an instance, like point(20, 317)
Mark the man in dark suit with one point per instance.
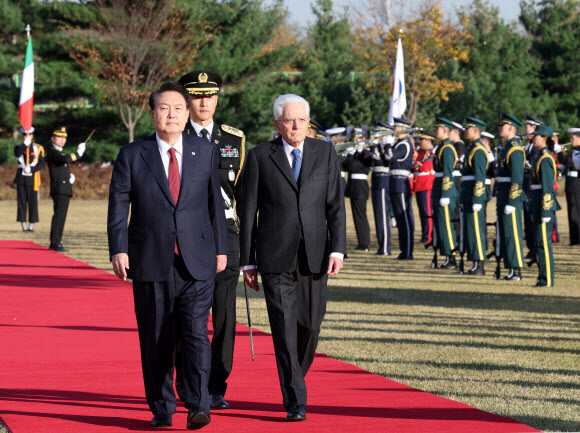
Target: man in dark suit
point(175, 243)
point(61, 180)
point(204, 87)
point(299, 239)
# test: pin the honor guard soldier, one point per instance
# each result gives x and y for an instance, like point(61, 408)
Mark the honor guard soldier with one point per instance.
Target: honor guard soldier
point(460, 148)
point(204, 87)
point(315, 130)
point(335, 135)
point(474, 195)
point(445, 192)
point(487, 140)
point(543, 203)
point(572, 188)
point(371, 157)
point(423, 183)
point(357, 189)
point(511, 197)
point(400, 160)
point(61, 180)
point(30, 158)
point(530, 125)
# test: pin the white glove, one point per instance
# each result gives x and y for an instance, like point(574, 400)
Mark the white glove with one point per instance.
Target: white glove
point(72, 178)
point(546, 220)
point(476, 207)
point(360, 148)
point(81, 148)
point(26, 169)
point(508, 210)
point(350, 150)
point(444, 201)
point(27, 140)
point(490, 157)
point(557, 148)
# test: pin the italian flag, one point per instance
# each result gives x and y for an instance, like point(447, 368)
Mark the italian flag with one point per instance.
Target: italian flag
point(27, 90)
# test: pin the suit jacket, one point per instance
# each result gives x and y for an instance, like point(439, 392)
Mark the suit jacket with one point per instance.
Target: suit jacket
point(58, 163)
point(197, 221)
point(276, 212)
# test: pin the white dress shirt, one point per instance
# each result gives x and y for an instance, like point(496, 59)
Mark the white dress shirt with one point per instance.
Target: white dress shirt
point(288, 149)
point(198, 129)
point(165, 157)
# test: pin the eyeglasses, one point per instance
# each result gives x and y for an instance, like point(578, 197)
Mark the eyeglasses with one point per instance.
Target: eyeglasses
point(288, 122)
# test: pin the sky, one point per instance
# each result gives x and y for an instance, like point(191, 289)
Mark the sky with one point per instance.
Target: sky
point(301, 11)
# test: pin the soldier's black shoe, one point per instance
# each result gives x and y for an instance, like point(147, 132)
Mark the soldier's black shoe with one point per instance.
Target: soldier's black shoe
point(449, 263)
point(217, 401)
point(515, 274)
point(477, 268)
point(531, 255)
point(359, 248)
point(542, 285)
point(59, 248)
point(402, 257)
point(380, 253)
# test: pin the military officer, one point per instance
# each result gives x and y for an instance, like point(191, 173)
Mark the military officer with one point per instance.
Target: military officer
point(445, 192)
point(487, 140)
point(357, 189)
point(315, 130)
point(204, 87)
point(543, 204)
point(460, 148)
point(572, 188)
point(371, 157)
point(474, 195)
point(31, 160)
point(510, 197)
point(530, 125)
point(423, 183)
point(61, 180)
point(400, 160)
point(337, 136)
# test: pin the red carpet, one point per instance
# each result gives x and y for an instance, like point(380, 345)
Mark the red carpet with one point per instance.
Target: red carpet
point(69, 362)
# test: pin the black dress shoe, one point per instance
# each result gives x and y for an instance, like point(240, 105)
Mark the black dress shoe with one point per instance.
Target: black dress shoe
point(380, 253)
point(161, 421)
point(217, 401)
point(542, 285)
point(477, 269)
point(359, 248)
point(296, 414)
point(197, 419)
point(515, 274)
point(402, 257)
point(449, 263)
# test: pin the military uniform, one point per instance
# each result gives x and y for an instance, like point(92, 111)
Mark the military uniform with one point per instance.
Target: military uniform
point(572, 191)
point(461, 149)
point(531, 155)
point(543, 206)
point(61, 182)
point(231, 143)
point(357, 189)
point(423, 177)
point(28, 182)
point(400, 160)
point(510, 177)
point(474, 193)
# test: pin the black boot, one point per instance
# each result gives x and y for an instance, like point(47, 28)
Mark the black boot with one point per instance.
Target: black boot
point(449, 263)
point(477, 268)
point(515, 274)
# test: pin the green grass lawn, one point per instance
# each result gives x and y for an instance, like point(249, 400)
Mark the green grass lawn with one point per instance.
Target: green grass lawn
point(502, 347)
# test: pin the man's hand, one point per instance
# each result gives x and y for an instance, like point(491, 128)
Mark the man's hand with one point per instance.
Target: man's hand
point(120, 265)
point(81, 148)
point(508, 210)
point(222, 261)
point(251, 279)
point(27, 140)
point(557, 148)
point(546, 220)
point(334, 266)
point(26, 169)
point(444, 201)
point(476, 207)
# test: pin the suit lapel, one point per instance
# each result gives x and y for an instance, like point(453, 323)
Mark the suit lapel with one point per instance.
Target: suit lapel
point(152, 158)
point(308, 160)
point(281, 160)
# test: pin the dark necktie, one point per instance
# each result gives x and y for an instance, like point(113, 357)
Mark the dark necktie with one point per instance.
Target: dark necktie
point(296, 163)
point(174, 183)
point(205, 134)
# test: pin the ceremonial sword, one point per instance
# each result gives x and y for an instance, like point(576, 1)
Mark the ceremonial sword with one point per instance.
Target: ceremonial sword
point(249, 319)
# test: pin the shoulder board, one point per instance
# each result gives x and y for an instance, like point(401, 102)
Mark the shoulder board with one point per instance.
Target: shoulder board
point(233, 131)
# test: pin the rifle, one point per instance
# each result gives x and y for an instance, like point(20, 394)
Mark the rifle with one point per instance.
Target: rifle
point(433, 244)
point(497, 250)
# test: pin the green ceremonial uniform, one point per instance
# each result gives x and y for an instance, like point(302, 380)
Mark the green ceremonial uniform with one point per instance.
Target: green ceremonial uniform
point(544, 205)
point(444, 187)
point(474, 191)
point(509, 180)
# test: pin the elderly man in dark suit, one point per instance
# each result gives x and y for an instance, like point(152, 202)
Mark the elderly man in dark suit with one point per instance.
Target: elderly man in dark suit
point(175, 243)
point(299, 239)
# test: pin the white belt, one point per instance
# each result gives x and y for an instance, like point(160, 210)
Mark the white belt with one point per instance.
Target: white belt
point(536, 186)
point(342, 173)
point(424, 173)
point(468, 177)
point(488, 181)
point(358, 176)
point(456, 173)
point(573, 173)
point(230, 214)
point(397, 172)
point(380, 169)
point(438, 174)
point(503, 179)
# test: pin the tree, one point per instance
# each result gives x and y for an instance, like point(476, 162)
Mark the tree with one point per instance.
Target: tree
point(430, 43)
point(133, 46)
